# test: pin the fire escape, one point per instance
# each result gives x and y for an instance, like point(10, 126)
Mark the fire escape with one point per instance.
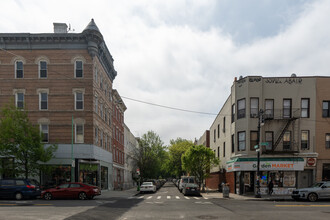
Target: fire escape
point(284, 120)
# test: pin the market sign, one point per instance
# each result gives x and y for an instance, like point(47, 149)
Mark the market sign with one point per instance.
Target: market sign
point(266, 164)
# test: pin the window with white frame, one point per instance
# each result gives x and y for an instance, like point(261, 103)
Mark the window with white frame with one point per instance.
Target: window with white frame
point(269, 137)
point(241, 108)
point(19, 96)
point(43, 100)
point(254, 107)
point(269, 109)
point(305, 108)
point(79, 100)
point(241, 141)
point(304, 140)
point(327, 141)
point(287, 140)
point(79, 137)
point(287, 105)
point(42, 69)
point(19, 72)
point(44, 133)
point(78, 69)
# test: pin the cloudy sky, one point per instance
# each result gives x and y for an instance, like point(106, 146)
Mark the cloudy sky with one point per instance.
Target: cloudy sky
point(185, 53)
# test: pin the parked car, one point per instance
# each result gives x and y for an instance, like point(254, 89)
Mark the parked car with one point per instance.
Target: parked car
point(148, 187)
point(19, 188)
point(191, 189)
point(319, 190)
point(184, 180)
point(71, 191)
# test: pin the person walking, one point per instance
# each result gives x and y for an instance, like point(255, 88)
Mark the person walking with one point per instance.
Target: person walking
point(270, 187)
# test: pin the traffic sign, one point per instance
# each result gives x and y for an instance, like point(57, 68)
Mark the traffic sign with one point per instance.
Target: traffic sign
point(264, 143)
point(256, 146)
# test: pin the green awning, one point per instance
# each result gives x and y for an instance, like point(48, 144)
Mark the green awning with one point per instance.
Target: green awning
point(240, 159)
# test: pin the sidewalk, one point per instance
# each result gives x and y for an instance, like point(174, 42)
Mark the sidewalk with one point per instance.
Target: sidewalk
point(105, 194)
point(217, 194)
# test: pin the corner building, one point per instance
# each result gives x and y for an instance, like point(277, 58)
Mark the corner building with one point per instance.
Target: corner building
point(283, 115)
point(64, 80)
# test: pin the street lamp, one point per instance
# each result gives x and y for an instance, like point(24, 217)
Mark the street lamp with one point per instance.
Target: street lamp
point(260, 122)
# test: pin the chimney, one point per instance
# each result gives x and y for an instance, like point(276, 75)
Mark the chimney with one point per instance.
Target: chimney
point(60, 28)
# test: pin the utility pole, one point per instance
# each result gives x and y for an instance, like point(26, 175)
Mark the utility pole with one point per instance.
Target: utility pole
point(260, 120)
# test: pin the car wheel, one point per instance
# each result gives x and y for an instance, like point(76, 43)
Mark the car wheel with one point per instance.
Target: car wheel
point(18, 196)
point(82, 196)
point(48, 196)
point(312, 197)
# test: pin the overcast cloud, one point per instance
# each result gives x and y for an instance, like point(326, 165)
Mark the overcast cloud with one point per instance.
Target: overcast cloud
point(186, 53)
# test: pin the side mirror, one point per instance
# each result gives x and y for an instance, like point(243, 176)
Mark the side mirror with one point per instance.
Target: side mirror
point(323, 187)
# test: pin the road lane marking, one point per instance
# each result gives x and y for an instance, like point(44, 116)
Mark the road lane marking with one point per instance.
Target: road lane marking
point(205, 198)
point(149, 197)
point(186, 197)
point(168, 197)
point(141, 197)
point(302, 205)
point(177, 197)
point(8, 204)
point(158, 197)
point(43, 204)
point(196, 198)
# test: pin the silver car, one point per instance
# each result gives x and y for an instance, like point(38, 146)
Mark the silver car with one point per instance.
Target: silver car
point(319, 190)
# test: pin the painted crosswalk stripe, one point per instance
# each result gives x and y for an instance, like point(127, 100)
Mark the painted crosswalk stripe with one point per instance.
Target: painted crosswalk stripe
point(177, 197)
point(141, 197)
point(168, 197)
point(186, 197)
point(158, 197)
point(205, 198)
point(149, 197)
point(196, 198)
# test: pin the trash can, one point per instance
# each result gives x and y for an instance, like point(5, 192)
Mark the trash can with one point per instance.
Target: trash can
point(225, 191)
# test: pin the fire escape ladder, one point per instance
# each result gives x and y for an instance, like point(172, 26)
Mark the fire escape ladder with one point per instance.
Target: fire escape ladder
point(282, 133)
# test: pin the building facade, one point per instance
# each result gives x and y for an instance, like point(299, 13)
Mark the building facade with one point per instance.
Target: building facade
point(281, 116)
point(131, 148)
point(64, 80)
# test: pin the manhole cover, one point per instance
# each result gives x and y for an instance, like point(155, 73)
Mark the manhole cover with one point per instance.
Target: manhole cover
point(207, 217)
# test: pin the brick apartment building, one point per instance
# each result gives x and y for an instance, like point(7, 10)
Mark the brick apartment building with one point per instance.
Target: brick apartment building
point(294, 134)
point(64, 80)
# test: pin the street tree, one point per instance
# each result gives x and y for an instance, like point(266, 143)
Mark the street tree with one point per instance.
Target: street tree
point(176, 149)
point(21, 140)
point(197, 161)
point(150, 155)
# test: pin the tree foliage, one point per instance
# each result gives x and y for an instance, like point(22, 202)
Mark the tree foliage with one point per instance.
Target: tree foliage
point(177, 148)
point(21, 140)
point(151, 156)
point(197, 161)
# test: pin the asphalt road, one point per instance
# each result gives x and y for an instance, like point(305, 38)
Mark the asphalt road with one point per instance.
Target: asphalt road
point(166, 203)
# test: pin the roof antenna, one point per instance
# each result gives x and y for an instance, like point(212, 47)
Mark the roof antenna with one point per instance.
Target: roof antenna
point(69, 29)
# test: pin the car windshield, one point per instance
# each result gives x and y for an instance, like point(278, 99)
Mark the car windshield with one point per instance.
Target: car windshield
point(185, 180)
point(147, 184)
point(191, 180)
point(316, 185)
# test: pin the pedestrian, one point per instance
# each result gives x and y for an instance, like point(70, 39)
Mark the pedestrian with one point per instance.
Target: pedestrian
point(270, 187)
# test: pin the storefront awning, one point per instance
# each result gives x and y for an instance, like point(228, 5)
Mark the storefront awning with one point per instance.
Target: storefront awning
point(270, 163)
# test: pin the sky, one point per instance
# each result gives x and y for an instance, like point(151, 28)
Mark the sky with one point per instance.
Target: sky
point(186, 53)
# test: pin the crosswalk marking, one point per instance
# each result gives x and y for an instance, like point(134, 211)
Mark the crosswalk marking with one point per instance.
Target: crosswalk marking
point(158, 197)
point(186, 197)
point(177, 197)
point(141, 197)
point(168, 197)
point(149, 197)
point(196, 198)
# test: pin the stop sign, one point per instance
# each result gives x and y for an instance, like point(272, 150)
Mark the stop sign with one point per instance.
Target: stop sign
point(311, 161)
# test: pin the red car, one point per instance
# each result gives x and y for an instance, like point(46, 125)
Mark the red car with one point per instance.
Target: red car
point(71, 191)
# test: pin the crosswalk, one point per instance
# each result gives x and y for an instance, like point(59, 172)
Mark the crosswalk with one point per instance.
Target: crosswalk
point(148, 197)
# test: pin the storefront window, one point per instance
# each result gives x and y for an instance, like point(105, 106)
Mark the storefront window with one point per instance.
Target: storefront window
point(326, 172)
point(55, 175)
point(88, 173)
point(104, 177)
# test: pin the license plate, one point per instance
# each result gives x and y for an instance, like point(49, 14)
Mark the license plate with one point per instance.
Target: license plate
point(192, 189)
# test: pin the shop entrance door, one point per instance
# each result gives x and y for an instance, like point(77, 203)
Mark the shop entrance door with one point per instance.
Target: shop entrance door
point(305, 179)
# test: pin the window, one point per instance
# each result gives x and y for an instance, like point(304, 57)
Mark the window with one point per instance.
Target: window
point(218, 152)
point(78, 69)
point(253, 139)
point(241, 141)
point(304, 140)
point(43, 101)
point(79, 101)
point(218, 130)
point(96, 133)
point(241, 108)
point(214, 134)
point(42, 69)
point(44, 133)
point(287, 140)
point(286, 108)
point(269, 139)
point(101, 82)
point(254, 107)
point(79, 133)
point(327, 141)
point(224, 149)
point(224, 125)
point(325, 109)
point(106, 115)
point(95, 75)
point(101, 110)
point(269, 109)
point(305, 108)
point(20, 100)
point(232, 113)
point(101, 139)
point(105, 141)
point(233, 143)
point(96, 105)
point(19, 69)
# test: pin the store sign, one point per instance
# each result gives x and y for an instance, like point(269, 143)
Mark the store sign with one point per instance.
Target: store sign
point(266, 166)
point(311, 162)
